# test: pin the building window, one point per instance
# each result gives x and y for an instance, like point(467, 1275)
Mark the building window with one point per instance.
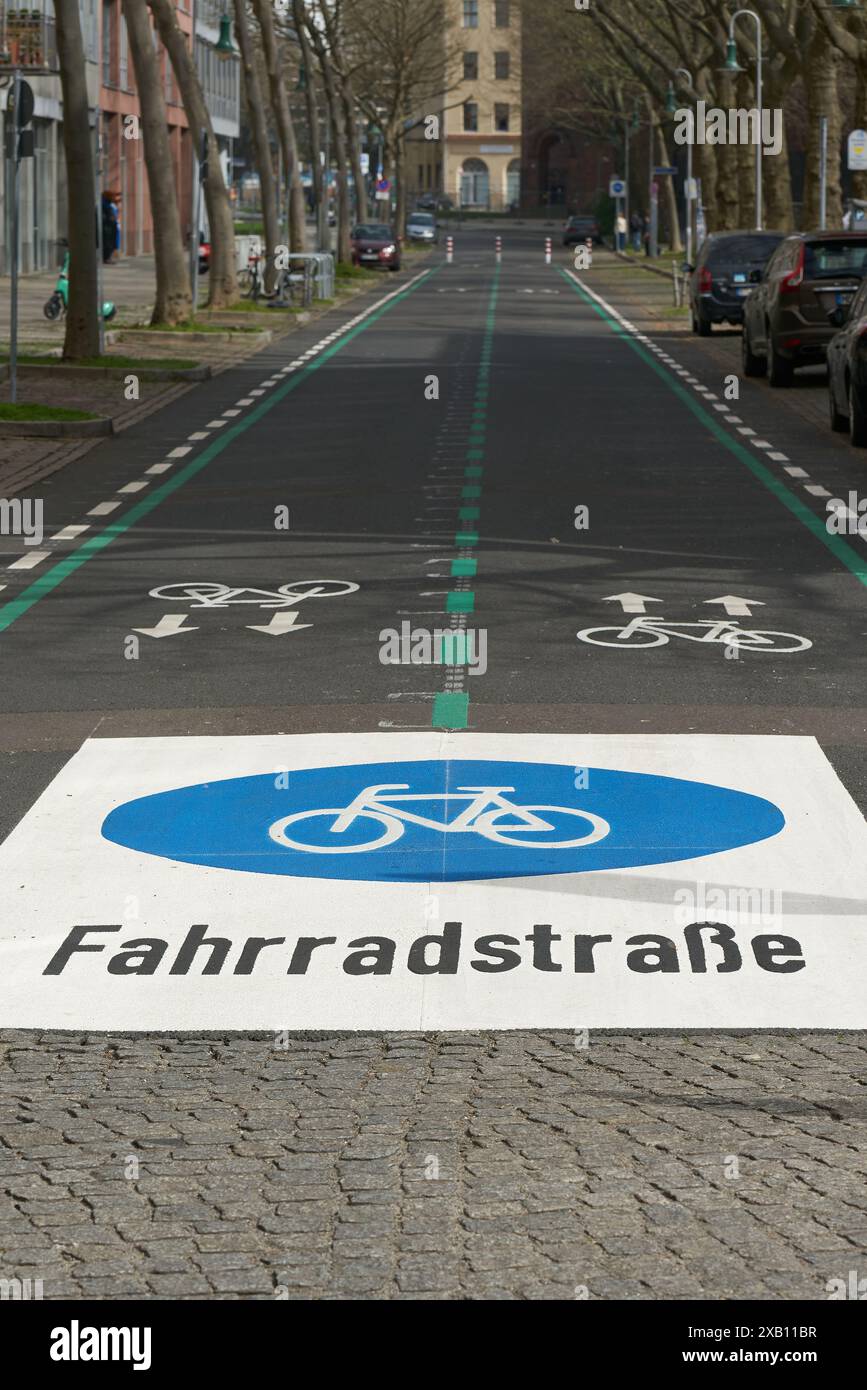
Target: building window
point(124, 56)
point(471, 14)
point(471, 115)
point(109, 21)
point(501, 65)
point(501, 116)
point(471, 67)
point(502, 18)
point(474, 184)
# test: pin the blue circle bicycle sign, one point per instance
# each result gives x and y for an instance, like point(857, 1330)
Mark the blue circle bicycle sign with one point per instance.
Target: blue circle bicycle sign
point(441, 820)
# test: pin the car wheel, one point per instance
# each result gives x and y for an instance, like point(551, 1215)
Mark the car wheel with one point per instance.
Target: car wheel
point(703, 325)
point(780, 370)
point(857, 419)
point(753, 365)
point(835, 419)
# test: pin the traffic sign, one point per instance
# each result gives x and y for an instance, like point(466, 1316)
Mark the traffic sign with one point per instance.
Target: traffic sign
point(617, 188)
point(26, 103)
point(428, 881)
point(857, 149)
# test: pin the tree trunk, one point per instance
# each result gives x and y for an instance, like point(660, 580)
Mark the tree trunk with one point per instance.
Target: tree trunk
point(669, 197)
point(222, 274)
point(174, 302)
point(779, 212)
point(283, 122)
point(728, 196)
point(82, 319)
point(399, 147)
point(338, 135)
point(261, 146)
point(706, 168)
point(299, 16)
point(354, 148)
point(820, 77)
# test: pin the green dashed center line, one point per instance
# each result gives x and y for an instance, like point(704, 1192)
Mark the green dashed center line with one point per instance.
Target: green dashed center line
point(15, 608)
point(451, 708)
point(838, 547)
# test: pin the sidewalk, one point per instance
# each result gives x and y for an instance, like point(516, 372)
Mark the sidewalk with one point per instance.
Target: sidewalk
point(130, 283)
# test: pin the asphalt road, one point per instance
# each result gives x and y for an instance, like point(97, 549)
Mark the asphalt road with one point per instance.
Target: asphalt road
point(562, 1168)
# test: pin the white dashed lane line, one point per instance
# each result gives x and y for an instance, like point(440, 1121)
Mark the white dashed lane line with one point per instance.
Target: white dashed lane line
point(749, 435)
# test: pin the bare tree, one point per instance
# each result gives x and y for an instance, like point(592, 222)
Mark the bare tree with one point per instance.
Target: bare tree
point(222, 276)
point(283, 121)
point(174, 302)
point(261, 144)
point(82, 320)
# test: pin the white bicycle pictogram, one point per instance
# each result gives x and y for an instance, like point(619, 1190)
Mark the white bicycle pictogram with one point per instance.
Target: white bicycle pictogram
point(204, 595)
point(656, 632)
point(486, 806)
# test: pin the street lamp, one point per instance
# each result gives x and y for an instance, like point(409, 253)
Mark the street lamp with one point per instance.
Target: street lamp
point(671, 107)
point(733, 67)
point(224, 47)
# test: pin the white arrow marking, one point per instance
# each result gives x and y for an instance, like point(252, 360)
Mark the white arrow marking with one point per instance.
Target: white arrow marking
point(168, 626)
point(736, 607)
point(631, 603)
point(280, 623)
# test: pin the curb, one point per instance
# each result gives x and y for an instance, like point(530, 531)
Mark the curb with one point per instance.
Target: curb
point(61, 369)
point(56, 429)
point(260, 338)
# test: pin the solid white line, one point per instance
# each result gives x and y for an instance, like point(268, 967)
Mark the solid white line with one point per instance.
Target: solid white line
point(103, 508)
point(29, 562)
point(70, 532)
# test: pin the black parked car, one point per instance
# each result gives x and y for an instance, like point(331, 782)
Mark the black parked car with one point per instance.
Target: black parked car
point(847, 370)
point(794, 311)
point(720, 280)
point(581, 228)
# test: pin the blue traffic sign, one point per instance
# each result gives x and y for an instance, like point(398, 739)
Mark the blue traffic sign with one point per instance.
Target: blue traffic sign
point(441, 820)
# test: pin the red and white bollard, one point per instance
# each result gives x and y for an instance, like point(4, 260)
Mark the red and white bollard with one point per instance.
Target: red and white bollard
point(547, 250)
point(450, 249)
point(498, 247)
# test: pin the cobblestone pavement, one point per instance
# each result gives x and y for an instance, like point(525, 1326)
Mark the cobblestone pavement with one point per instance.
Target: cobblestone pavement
point(458, 1166)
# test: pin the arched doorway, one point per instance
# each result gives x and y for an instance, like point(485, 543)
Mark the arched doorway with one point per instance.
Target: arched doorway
point(475, 184)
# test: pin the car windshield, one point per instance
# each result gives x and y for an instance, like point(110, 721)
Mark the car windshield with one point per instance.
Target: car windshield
point(422, 218)
point(581, 221)
point(742, 251)
point(823, 260)
point(373, 231)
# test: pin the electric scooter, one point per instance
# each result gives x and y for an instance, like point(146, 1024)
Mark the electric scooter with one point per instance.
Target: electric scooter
point(59, 301)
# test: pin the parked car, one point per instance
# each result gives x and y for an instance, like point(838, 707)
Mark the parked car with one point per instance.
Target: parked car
point(720, 280)
point(579, 228)
point(204, 254)
point(374, 243)
point(422, 226)
point(434, 202)
point(847, 370)
point(791, 315)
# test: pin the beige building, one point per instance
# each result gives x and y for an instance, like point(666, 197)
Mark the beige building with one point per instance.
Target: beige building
point(477, 159)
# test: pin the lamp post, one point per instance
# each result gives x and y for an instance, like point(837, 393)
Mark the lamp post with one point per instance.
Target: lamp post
point(224, 49)
point(671, 107)
point(731, 65)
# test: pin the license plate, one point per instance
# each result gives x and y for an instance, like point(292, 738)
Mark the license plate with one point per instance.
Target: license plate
point(368, 255)
point(739, 279)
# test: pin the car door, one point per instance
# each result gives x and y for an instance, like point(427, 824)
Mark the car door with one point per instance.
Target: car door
point(761, 302)
point(840, 347)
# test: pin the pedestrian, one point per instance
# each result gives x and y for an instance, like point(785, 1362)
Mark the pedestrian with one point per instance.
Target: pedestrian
point(645, 232)
point(635, 230)
point(620, 232)
point(109, 225)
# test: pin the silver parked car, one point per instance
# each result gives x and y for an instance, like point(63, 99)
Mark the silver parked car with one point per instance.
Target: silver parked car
point(422, 226)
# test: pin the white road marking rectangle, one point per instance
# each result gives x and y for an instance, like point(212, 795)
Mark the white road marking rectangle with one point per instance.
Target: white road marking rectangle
point(30, 560)
point(559, 881)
